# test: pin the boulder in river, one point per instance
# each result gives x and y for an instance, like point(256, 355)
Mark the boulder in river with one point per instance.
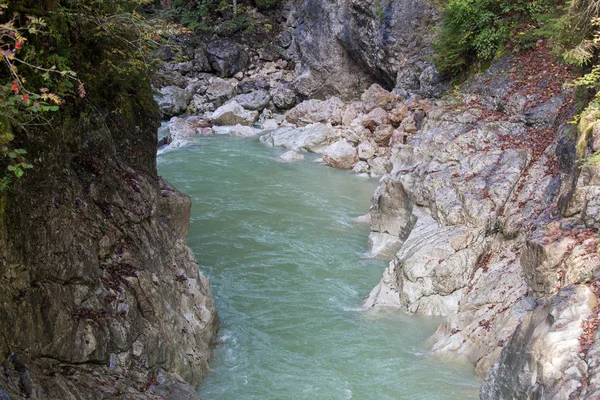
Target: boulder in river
point(314, 138)
point(291, 156)
point(340, 154)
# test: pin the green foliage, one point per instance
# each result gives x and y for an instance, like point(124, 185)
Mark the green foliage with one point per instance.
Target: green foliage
point(219, 16)
point(473, 32)
point(59, 54)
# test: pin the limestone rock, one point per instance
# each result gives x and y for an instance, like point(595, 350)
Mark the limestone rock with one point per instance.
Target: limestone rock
point(291, 156)
point(313, 111)
point(340, 154)
point(227, 57)
point(383, 134)
point(376, 97)
point(391, 214)
point(361, 167)
point(283, 98)
point(219, 91)
point(256, 101)
point(366, 150)
point(373, 119)
point(314, 138)
point(542, 358)
point(173, 100)
point(245, 131)
point(233, 114)
point(181, 129)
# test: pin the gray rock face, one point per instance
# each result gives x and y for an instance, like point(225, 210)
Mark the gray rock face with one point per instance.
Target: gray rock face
point(105, 288)
point(542, 360)
point(227, 57)
point(345, 45)
point(233, 114)
point(391, 218)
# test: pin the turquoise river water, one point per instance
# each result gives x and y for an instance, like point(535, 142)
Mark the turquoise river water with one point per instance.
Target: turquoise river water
point(288, 271)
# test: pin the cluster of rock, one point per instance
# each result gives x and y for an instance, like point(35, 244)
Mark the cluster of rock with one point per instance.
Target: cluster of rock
point(360, 135)
point(490, 222)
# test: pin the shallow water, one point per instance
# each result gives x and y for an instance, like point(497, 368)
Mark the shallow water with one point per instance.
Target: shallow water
point(288, 271)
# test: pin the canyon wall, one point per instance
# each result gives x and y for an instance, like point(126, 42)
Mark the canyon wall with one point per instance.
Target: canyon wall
point(100, 294)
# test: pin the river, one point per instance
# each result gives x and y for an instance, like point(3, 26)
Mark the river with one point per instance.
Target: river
point(288, 271)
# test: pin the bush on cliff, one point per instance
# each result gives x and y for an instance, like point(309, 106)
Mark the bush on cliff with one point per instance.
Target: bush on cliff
point(473, 32)
point(66, 59)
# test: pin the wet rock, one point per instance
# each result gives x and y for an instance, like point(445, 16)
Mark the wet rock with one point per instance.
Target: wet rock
point(227, 57)
point(245, 131)
point(340, 154)
point(291, 156)
point(270, 124)
point(361, 167)
point(314, 138)
point(391, 218)
point(233, 114)
point(257, 100)
point(181, 129)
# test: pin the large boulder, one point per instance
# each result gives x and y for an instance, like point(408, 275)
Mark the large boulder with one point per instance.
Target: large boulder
point(392, 218)
point(257, 100)
point(340, 154)
point(312, 111)
point(219, 91)
point(376, 97)
point(233, 114)
point(181, 129)
point(173, 100)
point(314, 138)
point(283, 98)
point(227, 57)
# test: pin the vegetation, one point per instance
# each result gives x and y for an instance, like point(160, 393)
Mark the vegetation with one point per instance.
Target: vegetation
point(474, 32)
point(59, 56)
point(225, 17)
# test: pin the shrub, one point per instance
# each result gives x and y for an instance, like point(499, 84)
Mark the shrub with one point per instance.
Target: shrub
point(473, 32)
